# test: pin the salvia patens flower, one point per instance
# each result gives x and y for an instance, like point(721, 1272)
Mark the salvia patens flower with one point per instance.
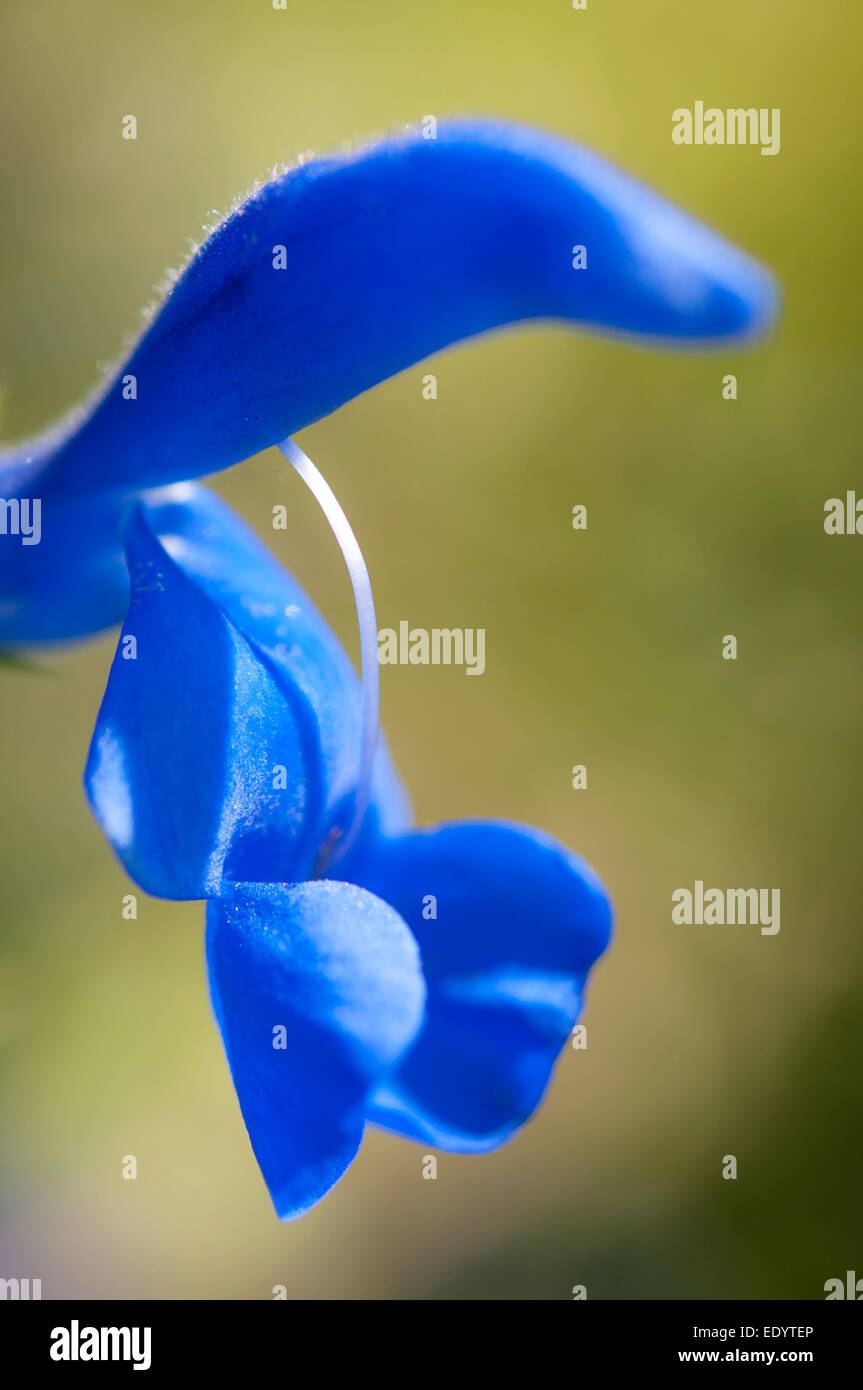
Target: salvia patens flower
point(361, 971)
point(329, 279)
point(428, 982)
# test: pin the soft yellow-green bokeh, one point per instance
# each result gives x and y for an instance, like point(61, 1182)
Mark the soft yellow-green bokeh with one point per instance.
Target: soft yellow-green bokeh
point(705, 518)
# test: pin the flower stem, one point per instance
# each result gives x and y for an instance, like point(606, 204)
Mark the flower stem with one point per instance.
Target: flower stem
point(341, 528)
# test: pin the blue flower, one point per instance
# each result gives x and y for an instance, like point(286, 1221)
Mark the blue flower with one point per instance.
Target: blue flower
point(361, 971)
point(327, 280)
point(224, 759)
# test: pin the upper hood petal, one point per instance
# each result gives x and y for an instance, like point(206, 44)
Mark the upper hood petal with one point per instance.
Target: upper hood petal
point(389, 254)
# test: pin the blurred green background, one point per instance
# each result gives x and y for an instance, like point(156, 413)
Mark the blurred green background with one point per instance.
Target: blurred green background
point(705, 518)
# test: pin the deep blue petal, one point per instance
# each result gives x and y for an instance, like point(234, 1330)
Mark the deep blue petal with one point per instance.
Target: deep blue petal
point(519, 922)
point(183, 768)
point(226, 748)
point(339, 971)
point(213, 547)
point(392, 253)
